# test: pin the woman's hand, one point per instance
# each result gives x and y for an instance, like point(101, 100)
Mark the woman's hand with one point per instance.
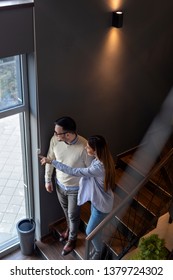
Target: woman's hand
point(45, 160)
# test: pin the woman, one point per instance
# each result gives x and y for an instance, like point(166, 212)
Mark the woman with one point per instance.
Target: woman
point(96, 185)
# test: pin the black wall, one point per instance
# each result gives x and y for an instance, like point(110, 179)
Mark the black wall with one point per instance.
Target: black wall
point(111, 81)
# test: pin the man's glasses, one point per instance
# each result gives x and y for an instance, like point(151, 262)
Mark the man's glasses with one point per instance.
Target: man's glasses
point(57, 134)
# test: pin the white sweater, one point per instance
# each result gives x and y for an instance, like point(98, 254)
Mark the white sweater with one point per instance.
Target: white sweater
point(74, 155)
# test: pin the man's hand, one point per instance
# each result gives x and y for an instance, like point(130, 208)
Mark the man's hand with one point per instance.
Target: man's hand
point(49, 187)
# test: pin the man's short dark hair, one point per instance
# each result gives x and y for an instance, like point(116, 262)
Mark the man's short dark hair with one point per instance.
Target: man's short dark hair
point(67, 123)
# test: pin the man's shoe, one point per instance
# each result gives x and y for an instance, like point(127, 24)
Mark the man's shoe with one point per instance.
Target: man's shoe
point(64, 235)
point(70, 245)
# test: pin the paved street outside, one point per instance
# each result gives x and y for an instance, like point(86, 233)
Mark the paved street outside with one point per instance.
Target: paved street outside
point(12, 200)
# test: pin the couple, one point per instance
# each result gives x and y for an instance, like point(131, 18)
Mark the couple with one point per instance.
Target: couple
point(85, 171)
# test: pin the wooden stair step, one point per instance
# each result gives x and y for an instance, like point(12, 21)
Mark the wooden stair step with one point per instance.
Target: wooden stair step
point(79, 250)
point(134, 220)
point(167, 147)
point(139, 164)
point(158, 180)
point(153, 201)
point(125, 180)
point(51, 249)
point(150, 197)
point(115, 240)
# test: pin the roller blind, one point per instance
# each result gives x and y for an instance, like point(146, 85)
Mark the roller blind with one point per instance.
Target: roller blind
point(16, 31)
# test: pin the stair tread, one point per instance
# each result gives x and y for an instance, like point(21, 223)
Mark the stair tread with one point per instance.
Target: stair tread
point(141, 167)
point(80, 244)
point(135, 221)
point(140, 164)
point(114, 239)
point(125, 180)
point(51, 249)
point(160, 182)
point(151, 201)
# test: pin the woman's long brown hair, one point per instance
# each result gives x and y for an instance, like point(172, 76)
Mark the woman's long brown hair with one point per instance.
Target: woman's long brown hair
point(99, 145)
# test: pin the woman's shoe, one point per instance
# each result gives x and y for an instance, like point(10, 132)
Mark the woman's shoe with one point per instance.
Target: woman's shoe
point(91, 253)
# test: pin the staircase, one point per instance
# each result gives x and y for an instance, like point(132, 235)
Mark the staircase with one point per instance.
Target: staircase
point(152, 199)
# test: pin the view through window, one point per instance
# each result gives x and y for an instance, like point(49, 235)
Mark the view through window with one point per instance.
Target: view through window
point(12, 197)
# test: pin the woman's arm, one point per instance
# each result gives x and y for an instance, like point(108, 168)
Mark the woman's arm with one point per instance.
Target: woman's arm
point(94, 170)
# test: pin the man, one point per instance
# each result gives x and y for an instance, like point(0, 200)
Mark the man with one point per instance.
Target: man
point(69, 148)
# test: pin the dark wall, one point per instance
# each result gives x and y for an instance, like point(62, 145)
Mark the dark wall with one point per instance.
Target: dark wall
point(112, 81)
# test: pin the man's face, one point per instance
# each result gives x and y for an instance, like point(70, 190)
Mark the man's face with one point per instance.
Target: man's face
point(60, 133)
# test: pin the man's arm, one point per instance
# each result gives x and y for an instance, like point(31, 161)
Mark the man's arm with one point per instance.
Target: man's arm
point(49, 168)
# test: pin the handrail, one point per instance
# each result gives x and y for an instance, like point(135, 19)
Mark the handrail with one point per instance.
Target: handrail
point(125, 202)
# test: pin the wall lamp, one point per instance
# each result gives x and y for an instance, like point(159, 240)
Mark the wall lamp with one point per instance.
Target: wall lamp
point(117, 19)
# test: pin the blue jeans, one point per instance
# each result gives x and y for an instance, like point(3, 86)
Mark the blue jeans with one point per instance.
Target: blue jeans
point(68, 201)
point(95, 219)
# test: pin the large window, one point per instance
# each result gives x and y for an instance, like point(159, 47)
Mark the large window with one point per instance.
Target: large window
point(14, 148)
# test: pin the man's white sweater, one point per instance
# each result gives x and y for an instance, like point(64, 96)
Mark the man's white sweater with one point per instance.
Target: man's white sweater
point(74, 155)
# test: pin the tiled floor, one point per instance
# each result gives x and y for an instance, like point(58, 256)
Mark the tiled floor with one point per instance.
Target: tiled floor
point(12, 201)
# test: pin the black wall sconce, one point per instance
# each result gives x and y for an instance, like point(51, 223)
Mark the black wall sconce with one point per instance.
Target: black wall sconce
point(117, 19)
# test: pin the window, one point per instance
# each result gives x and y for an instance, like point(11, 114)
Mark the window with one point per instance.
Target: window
point(14, 147)
point(10, 83)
